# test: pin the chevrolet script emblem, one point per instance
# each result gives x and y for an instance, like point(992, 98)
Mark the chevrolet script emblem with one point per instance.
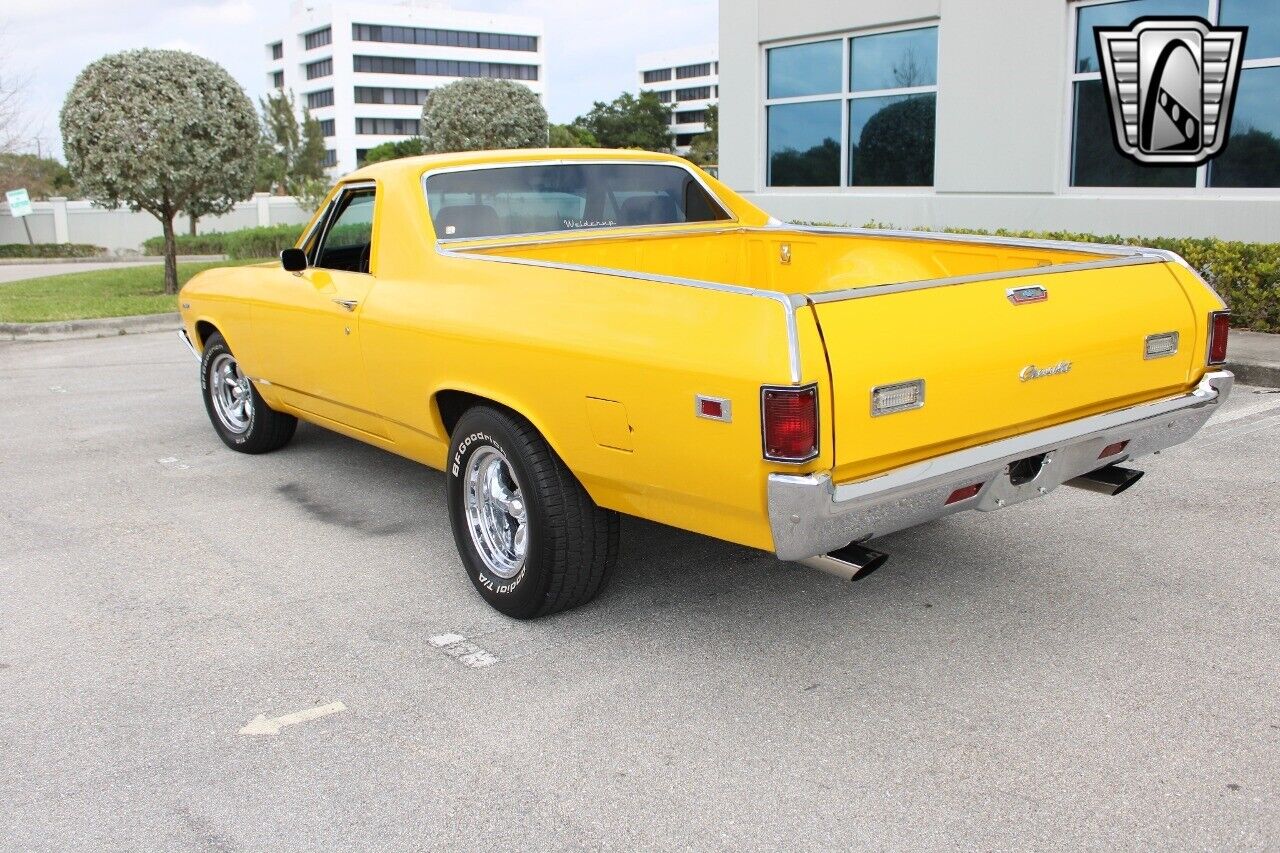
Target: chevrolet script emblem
point(1171, 85)
point(1032, 372)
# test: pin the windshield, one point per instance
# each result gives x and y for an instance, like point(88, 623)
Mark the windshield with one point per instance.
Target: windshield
point(565, 197)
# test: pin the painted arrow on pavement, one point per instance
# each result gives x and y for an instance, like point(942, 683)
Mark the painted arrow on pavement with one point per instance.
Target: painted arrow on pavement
point(262, 725)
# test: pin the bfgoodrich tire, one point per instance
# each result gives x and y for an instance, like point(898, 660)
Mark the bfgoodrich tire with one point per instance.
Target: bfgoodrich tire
point(532, 540)
point(237, 411)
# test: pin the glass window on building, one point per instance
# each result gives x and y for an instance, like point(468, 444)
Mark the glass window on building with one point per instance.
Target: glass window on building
point(277, 79)
point(657, 76)
point(322, 68)
point(1252, 155)
point(277, 50)
point(318, 39)
point(875, 127)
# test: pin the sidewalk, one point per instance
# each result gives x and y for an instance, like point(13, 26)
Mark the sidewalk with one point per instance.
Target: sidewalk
point(1254, 357)
point(12, 270)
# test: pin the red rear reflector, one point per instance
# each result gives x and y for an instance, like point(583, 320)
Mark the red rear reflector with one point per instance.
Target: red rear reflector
point(1219, 326)
point(1113, 449)
point(711, 408)
point(790, 425)
point(963, 494)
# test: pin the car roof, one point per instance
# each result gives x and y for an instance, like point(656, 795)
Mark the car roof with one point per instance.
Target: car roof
point(414, 167)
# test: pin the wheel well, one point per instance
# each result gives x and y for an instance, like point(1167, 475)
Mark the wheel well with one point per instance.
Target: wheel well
point(203, 330)
point(453, 404)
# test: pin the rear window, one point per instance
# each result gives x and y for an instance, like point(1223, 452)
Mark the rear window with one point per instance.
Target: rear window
point(565, 197)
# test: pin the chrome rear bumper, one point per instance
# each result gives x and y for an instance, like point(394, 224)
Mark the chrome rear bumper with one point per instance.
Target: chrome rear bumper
point(811, 515)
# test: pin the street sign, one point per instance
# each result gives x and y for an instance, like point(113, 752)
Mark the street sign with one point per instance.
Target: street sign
point(19, 203)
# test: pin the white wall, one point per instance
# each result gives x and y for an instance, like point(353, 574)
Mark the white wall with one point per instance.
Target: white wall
point(62, 221)
point(1002, 156)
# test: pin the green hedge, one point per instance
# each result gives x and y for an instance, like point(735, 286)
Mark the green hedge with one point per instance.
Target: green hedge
point(263, 242)
point(50, 250)
point(1246, 275)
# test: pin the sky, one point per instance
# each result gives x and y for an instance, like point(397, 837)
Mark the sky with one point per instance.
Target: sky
point(591, 44)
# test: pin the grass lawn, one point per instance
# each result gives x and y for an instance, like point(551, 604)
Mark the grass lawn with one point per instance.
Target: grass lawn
point(123, 292)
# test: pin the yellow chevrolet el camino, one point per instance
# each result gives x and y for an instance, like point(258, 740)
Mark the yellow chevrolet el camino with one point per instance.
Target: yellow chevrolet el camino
point(575, 334)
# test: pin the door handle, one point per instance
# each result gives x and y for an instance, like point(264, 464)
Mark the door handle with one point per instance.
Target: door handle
point(349, 304)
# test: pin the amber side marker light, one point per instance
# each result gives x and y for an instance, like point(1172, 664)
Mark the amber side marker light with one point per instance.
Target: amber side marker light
point(789, 419)
point(1219, 328)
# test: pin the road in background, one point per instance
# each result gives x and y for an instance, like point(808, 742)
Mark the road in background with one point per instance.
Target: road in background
point(1074, 672)
point(19, 272)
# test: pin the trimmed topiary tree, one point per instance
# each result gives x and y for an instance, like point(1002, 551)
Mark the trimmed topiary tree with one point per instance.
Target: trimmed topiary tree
point(483, 114)
point(162, 131)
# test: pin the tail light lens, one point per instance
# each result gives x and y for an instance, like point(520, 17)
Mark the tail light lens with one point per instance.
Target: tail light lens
point(790, 423)
point(1219, 326)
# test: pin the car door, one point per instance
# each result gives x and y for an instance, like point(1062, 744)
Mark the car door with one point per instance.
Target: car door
point(308, 323)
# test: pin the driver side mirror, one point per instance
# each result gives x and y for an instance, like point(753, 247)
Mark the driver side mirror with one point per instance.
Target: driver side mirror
point(293, 260)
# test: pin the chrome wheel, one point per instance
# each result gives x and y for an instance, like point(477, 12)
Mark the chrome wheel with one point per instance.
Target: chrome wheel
point(497, 517)
point(231, 394)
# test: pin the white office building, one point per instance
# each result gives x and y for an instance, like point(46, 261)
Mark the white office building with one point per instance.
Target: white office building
point(688, 80)
point(364, 70)
point(979, 114)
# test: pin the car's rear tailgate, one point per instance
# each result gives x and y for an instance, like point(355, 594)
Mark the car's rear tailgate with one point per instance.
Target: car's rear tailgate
point(972, 346)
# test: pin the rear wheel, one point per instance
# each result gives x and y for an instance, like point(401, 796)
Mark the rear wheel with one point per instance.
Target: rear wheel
point(532, 540)
point(236, 409)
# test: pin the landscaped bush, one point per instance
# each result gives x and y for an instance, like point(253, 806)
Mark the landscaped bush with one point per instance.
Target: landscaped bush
point(50, 250)
point(262, 242)
point(1246, 275)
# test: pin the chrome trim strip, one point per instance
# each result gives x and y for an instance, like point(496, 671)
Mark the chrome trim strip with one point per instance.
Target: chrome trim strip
point(930, 283)
point(980, 239)
point(186, 339)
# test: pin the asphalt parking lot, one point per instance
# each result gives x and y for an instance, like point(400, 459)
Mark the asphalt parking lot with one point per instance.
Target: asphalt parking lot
point(1078, 672)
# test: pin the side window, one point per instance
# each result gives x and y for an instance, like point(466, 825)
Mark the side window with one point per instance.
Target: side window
point(349, 237)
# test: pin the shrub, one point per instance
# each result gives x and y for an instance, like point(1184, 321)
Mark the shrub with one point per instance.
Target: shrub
point(1246, 275)
point(482, 114)
point(50, 250)
point(262, 242)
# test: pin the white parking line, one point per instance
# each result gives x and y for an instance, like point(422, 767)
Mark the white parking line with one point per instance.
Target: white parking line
point(465, 652)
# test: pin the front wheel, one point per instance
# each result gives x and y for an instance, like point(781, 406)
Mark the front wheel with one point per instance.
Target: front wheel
point(532, 540)
point(237, 411)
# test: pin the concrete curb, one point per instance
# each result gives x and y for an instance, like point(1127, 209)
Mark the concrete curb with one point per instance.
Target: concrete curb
point(107, 327)
point(1262, 375)
point(110, 259)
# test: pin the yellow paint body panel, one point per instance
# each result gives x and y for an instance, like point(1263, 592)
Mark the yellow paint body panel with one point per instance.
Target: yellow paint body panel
point(606, 365)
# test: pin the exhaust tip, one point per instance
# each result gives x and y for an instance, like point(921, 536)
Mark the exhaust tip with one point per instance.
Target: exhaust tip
point(1111, 480)
point(853, 562)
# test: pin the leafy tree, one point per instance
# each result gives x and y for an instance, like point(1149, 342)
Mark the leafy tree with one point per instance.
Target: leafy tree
point(410, 147)
point(42, 176)
point(161, 131)
point(483, 114)
point(705, 150)
point(572, 136)
point(630, 122)
point(291, 152)
point(817, 167)
point(896, 146)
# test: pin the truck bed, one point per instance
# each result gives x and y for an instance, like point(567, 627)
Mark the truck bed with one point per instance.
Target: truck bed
point(801, 261)
point(893, 307)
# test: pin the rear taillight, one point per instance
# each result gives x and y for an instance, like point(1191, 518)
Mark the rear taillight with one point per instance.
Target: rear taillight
point(790, 423)
point(1219, 326)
